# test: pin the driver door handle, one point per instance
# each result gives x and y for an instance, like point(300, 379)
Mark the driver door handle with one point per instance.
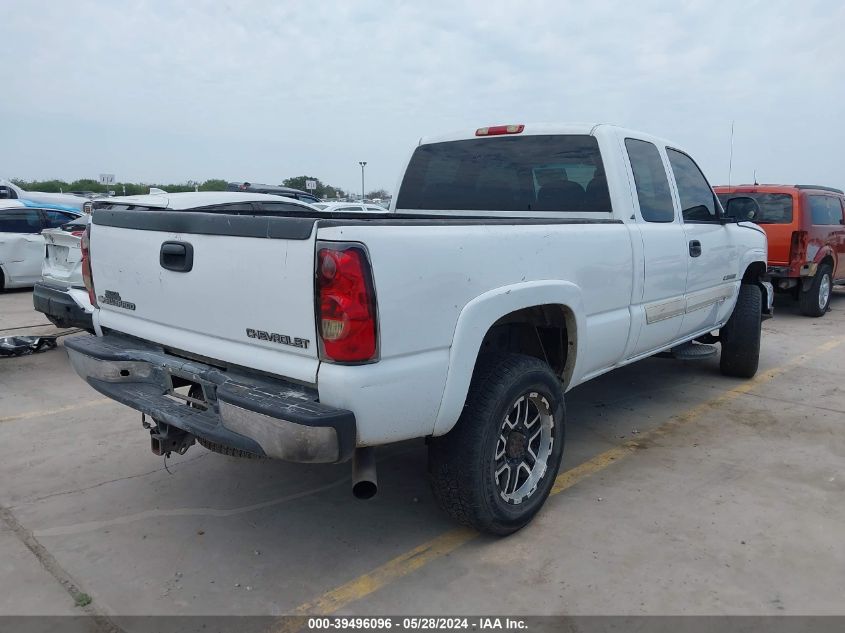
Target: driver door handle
point(694, 248)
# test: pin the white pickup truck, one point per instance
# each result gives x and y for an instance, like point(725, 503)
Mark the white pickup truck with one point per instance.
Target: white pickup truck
point(518, 262)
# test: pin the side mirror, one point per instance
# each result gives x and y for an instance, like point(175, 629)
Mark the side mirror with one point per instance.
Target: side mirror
point(742, 209)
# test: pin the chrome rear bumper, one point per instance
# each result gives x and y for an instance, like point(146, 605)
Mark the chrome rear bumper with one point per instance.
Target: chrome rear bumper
point(251, 412)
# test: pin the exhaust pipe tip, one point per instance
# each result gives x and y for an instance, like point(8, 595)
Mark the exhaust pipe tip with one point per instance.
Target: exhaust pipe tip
point(364, 479)
point(364, 489)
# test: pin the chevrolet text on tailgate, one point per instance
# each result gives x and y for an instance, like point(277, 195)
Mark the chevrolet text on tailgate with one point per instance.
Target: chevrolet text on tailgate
point(518, 262)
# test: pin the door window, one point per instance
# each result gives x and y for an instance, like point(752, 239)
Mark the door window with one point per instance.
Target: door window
point(774, 208)
point(698, 202)
point(20, 221)
point(651, 181)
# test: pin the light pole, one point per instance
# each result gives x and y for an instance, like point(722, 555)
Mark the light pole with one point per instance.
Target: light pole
point(363, 164)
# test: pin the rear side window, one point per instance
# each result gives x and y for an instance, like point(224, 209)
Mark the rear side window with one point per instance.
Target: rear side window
point(775, 208)
point(825, 210)
point(527, 173)
point(698, 202)
point(20, 221)
point(56, 219)
point(651, 181)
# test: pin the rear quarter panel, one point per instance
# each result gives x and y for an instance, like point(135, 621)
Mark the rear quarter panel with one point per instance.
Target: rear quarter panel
point(441, 286)
point(824, 240)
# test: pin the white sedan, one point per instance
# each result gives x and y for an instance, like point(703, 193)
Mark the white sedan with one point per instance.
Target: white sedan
point(349, 207)
point(21, 242)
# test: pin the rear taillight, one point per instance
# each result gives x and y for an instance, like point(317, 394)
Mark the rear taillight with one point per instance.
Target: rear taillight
point(85, 245)
point(798, 248)
point(346, 304)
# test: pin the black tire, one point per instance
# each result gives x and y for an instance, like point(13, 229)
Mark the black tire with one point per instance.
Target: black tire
point(810, 300)
point(740, 336)
point(227, 450)
point(462, 464)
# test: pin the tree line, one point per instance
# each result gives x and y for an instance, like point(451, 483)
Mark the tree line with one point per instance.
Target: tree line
point(323, 190)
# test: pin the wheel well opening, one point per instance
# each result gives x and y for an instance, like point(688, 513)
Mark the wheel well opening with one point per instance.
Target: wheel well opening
point(754, 273)
point(827, 260)
point(546, 332)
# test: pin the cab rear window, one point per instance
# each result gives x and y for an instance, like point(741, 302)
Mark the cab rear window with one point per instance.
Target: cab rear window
point(528, 173)
point(775, 208)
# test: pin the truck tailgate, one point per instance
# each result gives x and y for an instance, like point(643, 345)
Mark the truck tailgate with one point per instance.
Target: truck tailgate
point(247, 297)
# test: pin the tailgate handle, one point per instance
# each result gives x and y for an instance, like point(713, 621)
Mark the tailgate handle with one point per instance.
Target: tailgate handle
point(177, 256)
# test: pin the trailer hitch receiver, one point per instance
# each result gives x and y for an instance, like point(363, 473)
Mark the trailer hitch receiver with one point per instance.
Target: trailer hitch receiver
point(166, 439)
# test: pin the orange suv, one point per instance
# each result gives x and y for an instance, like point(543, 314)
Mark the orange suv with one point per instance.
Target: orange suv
point(805, 225)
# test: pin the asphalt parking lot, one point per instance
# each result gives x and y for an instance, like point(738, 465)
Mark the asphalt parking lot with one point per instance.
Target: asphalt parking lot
point(682, 492)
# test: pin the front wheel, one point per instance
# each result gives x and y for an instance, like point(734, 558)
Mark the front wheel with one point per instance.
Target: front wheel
point(815, 300)
point(494, 470)
point(740, 336)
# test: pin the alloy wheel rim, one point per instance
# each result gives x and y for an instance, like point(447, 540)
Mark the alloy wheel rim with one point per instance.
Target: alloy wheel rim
point(523, 448)
point(824, 291)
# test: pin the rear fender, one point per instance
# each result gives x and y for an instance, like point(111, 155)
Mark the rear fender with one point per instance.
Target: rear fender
point(817, 254)
point(475, 320)
point(824, 252)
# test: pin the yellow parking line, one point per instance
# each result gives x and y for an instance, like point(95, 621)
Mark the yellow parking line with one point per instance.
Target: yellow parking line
point(410, 561)
point(64, 409)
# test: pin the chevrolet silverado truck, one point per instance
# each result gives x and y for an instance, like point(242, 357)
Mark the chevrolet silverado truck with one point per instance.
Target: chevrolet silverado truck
point(517, 262)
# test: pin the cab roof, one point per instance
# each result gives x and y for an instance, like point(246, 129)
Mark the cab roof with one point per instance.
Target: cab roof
point(538, 129)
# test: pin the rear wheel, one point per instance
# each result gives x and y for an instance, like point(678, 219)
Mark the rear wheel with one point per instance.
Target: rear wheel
point(494, 470)
point(740, 336)
point(815, 300)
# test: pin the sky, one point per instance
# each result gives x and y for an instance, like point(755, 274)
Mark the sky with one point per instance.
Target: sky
point(161, 91)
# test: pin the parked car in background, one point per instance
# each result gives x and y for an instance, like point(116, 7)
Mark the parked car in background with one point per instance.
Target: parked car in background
point(61, 293)
point(805, 225)
point(521, 262)
point(349, 207)
point(43, 200)
point(274, 190)
point(21, 242)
